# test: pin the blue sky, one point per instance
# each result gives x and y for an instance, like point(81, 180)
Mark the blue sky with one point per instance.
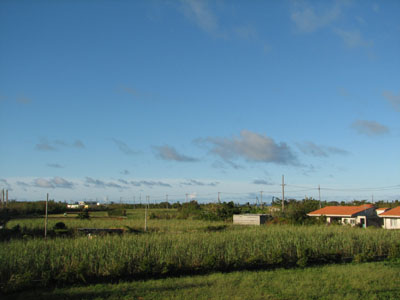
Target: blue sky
point(110, 99)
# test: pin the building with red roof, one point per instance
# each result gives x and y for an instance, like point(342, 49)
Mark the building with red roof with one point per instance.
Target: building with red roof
point(391, 218)
point(353, 215)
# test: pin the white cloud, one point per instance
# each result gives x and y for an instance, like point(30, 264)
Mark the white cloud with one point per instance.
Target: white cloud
point(169, 153)
point(56, 182)
point(251, 147)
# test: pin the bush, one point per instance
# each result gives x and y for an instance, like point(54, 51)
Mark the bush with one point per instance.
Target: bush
point(83, 215)
point(59, 225)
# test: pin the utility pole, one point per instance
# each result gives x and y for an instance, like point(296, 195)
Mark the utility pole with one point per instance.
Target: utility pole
point(145, 214)
point(219, 199)
point(45, 222)
point(2, 198)
point(187, 197)
point(6, 198)
point(166, 200)
point(372, 198)
point(283, 193)
point(319, 195)
point(262, 205)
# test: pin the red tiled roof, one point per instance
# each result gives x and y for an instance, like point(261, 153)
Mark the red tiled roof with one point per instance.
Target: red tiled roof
point(339, 210)
point(395, 212)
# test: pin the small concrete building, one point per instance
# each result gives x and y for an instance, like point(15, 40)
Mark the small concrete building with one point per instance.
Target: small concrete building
point(391, 218)
point(250, 219)
point(352, 215)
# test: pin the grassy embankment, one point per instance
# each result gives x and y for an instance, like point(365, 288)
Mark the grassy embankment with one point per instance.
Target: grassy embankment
point(379, 280)
point(65, 261)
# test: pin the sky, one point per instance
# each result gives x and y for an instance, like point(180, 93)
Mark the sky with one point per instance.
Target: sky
point(179, 100)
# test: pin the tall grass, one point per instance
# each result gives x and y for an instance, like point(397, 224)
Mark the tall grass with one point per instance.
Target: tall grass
point(65, 260)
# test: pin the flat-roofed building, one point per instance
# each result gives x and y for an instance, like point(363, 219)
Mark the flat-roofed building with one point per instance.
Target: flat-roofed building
point(250, 219)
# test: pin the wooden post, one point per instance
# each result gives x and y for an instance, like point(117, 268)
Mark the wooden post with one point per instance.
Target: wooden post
point(45, 222)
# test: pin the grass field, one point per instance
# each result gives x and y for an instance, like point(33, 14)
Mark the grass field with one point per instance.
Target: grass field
point(60, 261)
point(174, 247)
point(370, 281)
point(134, 219)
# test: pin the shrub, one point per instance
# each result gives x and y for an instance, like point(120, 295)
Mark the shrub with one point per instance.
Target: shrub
point(83, 214)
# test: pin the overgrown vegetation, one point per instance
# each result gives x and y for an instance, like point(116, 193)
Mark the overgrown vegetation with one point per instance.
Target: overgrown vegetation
point(62, 261)
point(378, 280)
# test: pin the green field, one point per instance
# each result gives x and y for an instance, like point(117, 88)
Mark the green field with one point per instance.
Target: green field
point(178, 247)
point(351, 281)
point(134, 219)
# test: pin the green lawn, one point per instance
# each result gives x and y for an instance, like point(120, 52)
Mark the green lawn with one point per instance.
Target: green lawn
point(380, 280)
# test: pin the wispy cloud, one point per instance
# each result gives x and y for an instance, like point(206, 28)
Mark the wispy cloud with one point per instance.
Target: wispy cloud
point(261, 182)
point(23, 100)
point(169, 153)
point(352, 38)
point(308, 18)
point(252, 147)
point(124, 148)
point(56, 182)
point(370, 128)
point(125, 172)
point(246, 32)
point(57, 166)
point(199, 12)
point(46, 145)
point(393, 99)
point(194, 182)
point(137, 94)
point(150, 183)
point(97, 183)
point(78, 144)
point(309, 148)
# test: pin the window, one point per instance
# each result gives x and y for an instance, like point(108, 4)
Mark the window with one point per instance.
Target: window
point(393, 222)
point(352, 221)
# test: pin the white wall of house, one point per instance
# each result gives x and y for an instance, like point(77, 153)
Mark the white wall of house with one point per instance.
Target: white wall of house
point(349, 221)
point(391, 223)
